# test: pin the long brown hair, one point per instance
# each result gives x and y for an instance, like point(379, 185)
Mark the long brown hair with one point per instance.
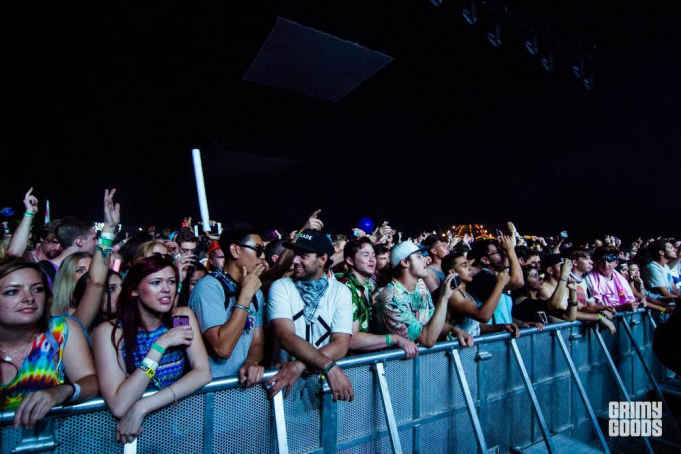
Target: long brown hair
point(128, 311)
point(10, 267)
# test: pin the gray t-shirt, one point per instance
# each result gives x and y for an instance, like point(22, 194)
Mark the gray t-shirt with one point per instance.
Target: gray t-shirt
point(655, 275)
point(208, 303)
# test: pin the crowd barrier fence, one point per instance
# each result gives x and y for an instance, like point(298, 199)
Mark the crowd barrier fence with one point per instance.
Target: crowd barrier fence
point(500, 395)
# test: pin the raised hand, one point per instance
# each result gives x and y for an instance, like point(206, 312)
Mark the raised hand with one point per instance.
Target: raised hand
point(30, 202)
point(507, 243)
point(313, 222)
point(112, 212)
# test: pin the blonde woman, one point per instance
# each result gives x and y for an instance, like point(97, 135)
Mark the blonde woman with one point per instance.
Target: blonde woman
point(71, 269)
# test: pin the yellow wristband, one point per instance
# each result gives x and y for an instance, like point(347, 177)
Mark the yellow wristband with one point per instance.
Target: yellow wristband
point(663, 310)
point(147, 370)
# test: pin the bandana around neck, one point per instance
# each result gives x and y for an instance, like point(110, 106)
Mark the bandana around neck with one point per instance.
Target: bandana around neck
point(311, 292)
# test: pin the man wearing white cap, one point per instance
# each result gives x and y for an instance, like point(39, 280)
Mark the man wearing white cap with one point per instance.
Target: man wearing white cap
point(405, 306)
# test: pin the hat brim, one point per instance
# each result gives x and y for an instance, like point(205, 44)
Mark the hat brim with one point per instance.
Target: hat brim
point(297, 247)
point(420, 249)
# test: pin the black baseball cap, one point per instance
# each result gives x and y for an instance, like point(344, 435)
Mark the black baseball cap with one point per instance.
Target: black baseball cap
point(311, 240)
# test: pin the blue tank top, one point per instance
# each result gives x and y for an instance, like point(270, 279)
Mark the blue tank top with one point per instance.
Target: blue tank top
point(171, 366)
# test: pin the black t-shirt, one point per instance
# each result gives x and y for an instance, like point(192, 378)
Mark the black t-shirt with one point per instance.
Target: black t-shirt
point(667, 343)
point(483, 285)
point(528, 310)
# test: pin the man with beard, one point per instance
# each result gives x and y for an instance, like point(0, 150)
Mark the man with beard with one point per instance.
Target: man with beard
point(657, 275)
point(490, 257)
point(405, 306)
point(361, 260)
point(311, 318)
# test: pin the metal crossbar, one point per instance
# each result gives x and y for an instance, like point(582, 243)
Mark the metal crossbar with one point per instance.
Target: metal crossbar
point(533, 399)
point(470, 405)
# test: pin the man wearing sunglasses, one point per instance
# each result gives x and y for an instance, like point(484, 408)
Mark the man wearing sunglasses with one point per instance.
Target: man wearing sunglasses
point(607, 285)
point(229, 304)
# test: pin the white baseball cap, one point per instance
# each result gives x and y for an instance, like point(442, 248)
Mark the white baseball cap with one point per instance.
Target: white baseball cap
point(402, 251)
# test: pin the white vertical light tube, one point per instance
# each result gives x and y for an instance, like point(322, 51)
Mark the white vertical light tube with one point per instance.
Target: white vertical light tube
point(201, 189)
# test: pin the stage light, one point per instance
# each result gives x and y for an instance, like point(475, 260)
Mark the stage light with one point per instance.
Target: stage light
point(471, 14)
point(579, 69)
point(532, 45)
point(436, 3)
point(547, 61)
point(494, 36)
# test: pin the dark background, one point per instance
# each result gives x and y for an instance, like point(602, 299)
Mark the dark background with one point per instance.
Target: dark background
point(453, 130)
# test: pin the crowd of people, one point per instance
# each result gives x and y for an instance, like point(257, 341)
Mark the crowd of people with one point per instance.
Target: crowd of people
point(86, 312)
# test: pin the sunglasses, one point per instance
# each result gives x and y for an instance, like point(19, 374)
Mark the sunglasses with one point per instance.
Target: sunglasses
point(259, 250)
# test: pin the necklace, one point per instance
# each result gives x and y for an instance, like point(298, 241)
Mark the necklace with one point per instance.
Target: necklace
point(8, 355)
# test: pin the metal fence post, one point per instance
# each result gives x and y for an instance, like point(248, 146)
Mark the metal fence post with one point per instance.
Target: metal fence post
point(618, 378)
point(417, 404)
point(209, 407)
point(582, 391)
point(379, 369)
point(479, 434)
point(550, 446)
point(280, 422)
point(329, 427)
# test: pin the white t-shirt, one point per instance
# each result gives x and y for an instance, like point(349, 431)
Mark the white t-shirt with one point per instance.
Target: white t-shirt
point(334, 314)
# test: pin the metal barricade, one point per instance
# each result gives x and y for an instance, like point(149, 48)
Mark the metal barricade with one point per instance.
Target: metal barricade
point(445, 400)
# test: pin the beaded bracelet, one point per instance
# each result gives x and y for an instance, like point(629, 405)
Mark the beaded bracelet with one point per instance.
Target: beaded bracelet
point(329, 367)
point(243, 308)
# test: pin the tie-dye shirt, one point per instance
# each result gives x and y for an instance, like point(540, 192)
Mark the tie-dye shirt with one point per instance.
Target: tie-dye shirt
point(171, 366)
point(43, 367)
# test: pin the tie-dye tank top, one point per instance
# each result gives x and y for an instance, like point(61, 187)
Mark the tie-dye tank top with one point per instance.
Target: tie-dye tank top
point(171, 366)
point(42, 368)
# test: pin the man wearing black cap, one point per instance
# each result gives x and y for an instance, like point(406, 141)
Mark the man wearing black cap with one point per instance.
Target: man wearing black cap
point(311, 317)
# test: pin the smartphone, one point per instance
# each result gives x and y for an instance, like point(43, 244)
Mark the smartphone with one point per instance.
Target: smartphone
point(356, 232)
point(498, 233)
point(563, 234)
point(455, 282)
point(180, 320)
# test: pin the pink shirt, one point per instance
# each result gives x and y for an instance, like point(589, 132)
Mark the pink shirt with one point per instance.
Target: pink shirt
point(610, 292)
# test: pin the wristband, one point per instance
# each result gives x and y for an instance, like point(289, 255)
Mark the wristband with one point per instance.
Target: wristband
point(329, 367)
point(29, 215)
point(601, 317)
point(105, 242)
point(179, 287)
point(76, 391)
point(107, 235)
point(158, 348)
point(573, 303)
point(243, 308)
point(105, 250)
point(388, 340)
point(564, 279)
point(148, 371)
point(150, 363)
point(663, 310)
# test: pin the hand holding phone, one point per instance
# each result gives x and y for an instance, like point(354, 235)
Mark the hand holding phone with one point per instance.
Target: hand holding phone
point(180, 320)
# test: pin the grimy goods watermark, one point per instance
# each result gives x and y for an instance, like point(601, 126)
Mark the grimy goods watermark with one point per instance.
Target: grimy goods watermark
point(635, 419)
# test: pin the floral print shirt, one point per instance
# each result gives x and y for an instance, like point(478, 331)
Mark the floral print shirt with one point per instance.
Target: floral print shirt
point(362, 307)
point(403, 312)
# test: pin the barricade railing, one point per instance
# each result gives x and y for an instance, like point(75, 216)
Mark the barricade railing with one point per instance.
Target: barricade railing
point(501, 393)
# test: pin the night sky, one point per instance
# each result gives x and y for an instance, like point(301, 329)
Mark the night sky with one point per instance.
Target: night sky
point(452, 130)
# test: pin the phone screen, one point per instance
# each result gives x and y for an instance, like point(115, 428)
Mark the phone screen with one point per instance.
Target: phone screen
point(455, 282)
point(180, 320)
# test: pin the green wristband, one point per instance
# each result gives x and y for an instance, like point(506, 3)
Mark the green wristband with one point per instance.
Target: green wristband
point(29, 215)
point(158, 348)
point(388, 340)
